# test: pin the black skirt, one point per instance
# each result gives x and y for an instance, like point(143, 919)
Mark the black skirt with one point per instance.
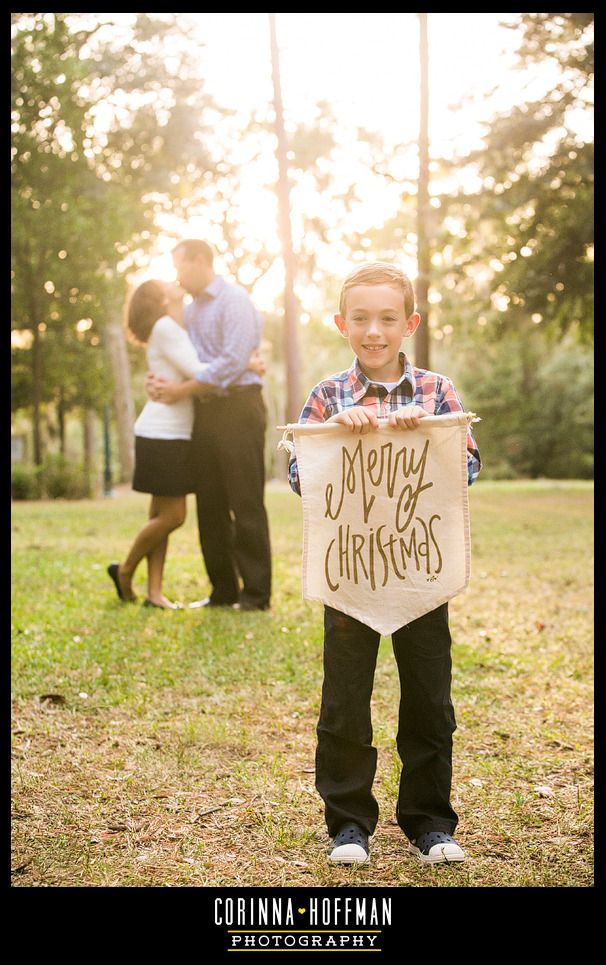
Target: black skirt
point(163, 467)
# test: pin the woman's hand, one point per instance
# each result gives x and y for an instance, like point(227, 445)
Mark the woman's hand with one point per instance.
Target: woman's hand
point(163, 390)
point(256, 363)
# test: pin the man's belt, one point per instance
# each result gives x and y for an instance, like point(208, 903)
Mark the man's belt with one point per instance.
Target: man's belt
point(228, 393)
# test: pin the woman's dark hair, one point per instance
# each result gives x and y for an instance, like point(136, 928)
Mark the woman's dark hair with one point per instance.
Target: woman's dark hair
point(147, 304)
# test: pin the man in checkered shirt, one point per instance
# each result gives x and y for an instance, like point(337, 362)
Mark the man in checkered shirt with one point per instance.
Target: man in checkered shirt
point(376, 311)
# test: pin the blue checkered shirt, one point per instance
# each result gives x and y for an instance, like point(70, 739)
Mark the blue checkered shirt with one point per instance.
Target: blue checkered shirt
point(224, 327)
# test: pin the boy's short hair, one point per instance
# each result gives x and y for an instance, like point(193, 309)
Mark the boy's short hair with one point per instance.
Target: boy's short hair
point(194, 247)
point(379, 273)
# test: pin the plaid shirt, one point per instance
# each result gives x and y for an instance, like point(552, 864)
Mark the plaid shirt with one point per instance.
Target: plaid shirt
point(434, 393)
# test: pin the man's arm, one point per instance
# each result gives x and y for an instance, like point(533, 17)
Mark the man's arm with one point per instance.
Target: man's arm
point(165, 390)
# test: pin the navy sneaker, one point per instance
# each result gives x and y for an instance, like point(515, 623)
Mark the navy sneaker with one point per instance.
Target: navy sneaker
point(434, 846)
point(350, 845)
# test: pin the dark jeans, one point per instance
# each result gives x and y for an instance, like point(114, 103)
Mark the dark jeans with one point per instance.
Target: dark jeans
point(229, 474)
point(345, 758)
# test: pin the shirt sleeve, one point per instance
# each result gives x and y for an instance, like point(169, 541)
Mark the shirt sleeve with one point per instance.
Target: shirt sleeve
point(449, 401)
point(174, 343)
point(241, 332)
point(314, 410)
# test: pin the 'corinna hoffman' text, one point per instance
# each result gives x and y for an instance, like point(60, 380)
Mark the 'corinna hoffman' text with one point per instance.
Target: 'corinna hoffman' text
point(310, 913)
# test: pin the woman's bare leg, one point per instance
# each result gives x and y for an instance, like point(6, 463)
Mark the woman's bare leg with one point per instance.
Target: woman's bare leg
point(155, 573)
point(166, 513)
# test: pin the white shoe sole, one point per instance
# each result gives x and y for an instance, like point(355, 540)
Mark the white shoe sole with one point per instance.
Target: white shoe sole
point(440, 853)
point(349, 854)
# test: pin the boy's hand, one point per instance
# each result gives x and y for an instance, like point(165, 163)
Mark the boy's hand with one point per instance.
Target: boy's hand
point(359, 419)
point(408, 417)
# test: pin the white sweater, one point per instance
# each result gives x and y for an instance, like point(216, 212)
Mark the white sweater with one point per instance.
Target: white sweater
point(171, 355)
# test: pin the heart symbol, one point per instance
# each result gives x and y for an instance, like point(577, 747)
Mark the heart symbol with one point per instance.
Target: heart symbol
point(301, 911)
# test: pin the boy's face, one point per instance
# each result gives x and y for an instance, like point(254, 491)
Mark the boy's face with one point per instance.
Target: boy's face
point(375, 323)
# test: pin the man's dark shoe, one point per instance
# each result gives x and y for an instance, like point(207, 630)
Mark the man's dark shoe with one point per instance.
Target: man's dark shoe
point(435, 846)
point(350, 845)
point(247, 605)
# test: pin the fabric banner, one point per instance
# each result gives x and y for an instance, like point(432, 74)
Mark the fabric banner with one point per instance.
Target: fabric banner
point(386, 517)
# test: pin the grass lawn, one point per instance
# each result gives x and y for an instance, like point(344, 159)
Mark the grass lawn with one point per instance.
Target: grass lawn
point(159, 748)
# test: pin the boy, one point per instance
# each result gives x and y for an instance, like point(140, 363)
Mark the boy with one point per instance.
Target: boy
point(376, 311)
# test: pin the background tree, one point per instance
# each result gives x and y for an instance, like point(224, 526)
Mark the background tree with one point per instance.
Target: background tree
point(104, 124)
point(116, 142)
point(523, 242)
point(514, 263)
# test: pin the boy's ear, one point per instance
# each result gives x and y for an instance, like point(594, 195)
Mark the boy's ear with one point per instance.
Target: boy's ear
point(340, 323)
point(412, 324)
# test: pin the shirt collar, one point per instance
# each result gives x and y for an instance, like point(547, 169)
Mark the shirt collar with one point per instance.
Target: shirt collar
point(360, 383)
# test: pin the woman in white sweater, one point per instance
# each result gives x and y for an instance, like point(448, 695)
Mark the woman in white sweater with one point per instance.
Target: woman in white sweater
point(162, 435)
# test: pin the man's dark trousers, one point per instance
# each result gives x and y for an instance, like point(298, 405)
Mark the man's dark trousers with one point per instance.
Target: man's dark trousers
point(345, 758)
point(228, 454)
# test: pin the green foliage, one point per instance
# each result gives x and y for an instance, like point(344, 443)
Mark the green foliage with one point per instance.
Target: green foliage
point(112, 130)
point(25, 482)
point(536, 405)
point(523, 245)
point(88, 170)
point(62, 479)
point(56, 478)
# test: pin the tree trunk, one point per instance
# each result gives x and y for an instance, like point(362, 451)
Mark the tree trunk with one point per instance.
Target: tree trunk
point(61, 420)
point(291, 315)
point(37, 391)
point(89, 426)
point(423, 262)
point(124, 408)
